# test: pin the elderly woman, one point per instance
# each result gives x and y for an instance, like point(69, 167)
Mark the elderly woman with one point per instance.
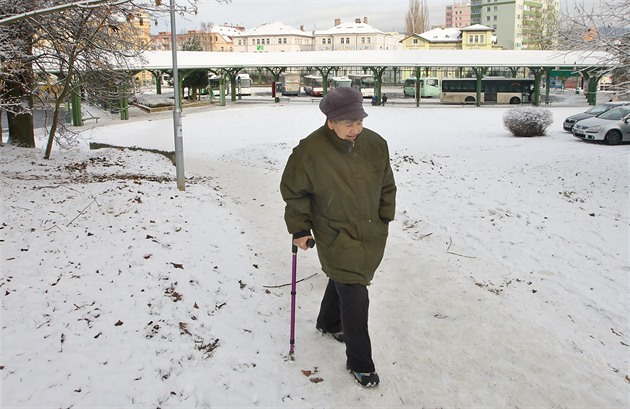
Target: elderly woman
point(338, 186)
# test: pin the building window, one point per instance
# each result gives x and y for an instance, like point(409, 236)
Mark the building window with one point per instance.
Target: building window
point(279, 41)
point(362, 40)
point(284, 41)
point(323, 41)
point(343, 40)
point(267, 41)
point(415, 41)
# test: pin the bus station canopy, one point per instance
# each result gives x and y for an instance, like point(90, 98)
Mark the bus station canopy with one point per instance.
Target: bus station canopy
point(576, 60)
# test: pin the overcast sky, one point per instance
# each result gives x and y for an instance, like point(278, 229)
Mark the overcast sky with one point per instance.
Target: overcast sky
point(385, 15)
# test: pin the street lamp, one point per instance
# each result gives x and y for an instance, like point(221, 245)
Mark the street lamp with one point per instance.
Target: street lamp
point(177, 111)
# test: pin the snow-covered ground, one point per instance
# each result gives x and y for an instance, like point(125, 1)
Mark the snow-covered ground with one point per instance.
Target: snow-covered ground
point(504, 285)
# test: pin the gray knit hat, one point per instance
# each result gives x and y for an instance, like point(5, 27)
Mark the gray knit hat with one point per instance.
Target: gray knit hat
point(343, 103)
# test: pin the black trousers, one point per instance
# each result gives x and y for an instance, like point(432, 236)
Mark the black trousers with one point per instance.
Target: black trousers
point(345, 308)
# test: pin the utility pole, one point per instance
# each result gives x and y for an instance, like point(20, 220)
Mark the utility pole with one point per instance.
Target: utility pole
point(177, 110)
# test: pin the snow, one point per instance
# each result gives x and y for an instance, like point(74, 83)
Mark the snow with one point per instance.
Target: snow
point(273, 29)
point(162, 60)
point(504, 284)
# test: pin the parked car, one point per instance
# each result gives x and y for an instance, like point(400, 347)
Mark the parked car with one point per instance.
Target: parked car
point(612, 126)
point(594, 111)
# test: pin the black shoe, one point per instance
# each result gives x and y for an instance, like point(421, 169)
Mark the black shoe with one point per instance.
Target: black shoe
point(337, 335)
point(366, 379)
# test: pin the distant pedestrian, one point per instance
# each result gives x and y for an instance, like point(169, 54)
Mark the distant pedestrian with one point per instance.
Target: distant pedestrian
point(383, 99)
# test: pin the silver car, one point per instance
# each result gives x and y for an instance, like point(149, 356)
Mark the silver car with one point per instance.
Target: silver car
point(594, 111)
point(612, 126)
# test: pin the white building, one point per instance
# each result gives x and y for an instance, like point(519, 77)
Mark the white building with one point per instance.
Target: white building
point(273, 38)
point(518, 24)
point(357, 35)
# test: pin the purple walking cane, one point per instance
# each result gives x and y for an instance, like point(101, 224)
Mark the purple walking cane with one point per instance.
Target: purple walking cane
point(294, 249)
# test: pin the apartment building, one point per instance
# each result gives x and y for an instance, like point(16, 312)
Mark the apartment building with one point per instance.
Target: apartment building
point(519, 24)
point(219, 38)
point(357, 35)
point(458, 15)
point(273, 38)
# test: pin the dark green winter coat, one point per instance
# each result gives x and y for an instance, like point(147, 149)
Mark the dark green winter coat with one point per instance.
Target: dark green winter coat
point(344, 192)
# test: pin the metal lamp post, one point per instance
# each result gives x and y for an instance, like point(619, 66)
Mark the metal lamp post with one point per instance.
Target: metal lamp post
point(177, 111)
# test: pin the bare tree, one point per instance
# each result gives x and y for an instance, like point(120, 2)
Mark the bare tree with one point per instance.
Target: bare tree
point(17, 81)
point(75, 47)
point(604, 26)
point(417, 17)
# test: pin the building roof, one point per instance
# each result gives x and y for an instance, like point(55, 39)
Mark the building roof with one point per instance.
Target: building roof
point(350, 28)
point(477, 27)
point(227, 32)
point(442, 35)
point(162, 60)
point(274, 29)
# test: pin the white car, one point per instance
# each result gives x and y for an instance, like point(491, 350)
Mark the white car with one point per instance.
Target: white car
point(612, 127)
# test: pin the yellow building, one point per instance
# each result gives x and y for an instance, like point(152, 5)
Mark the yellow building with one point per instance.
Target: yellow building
point(475, 37)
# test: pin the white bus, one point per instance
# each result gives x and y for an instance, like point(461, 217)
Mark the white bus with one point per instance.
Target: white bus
point(289, 84)
point(364, 83)
point(336, 82)
point(497, 90)
point(243, 84)
point(314, 85)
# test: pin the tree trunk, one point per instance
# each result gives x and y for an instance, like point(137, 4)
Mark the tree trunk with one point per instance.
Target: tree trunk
point(20, 93)
point(21, 122)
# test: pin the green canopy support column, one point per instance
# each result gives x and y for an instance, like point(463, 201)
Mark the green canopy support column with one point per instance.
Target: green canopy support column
point(513, 71)
point(418, 91)
point(547, 85)
point(231, 74)
point(275, 73)
point(75, 101)
point(325, 71)
point(124, 103)
point(157, 76)
point(538, 72)
point(593, 78)
point(378, 81)
point(222, 85)
point(479, 73)
point(396, 74)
